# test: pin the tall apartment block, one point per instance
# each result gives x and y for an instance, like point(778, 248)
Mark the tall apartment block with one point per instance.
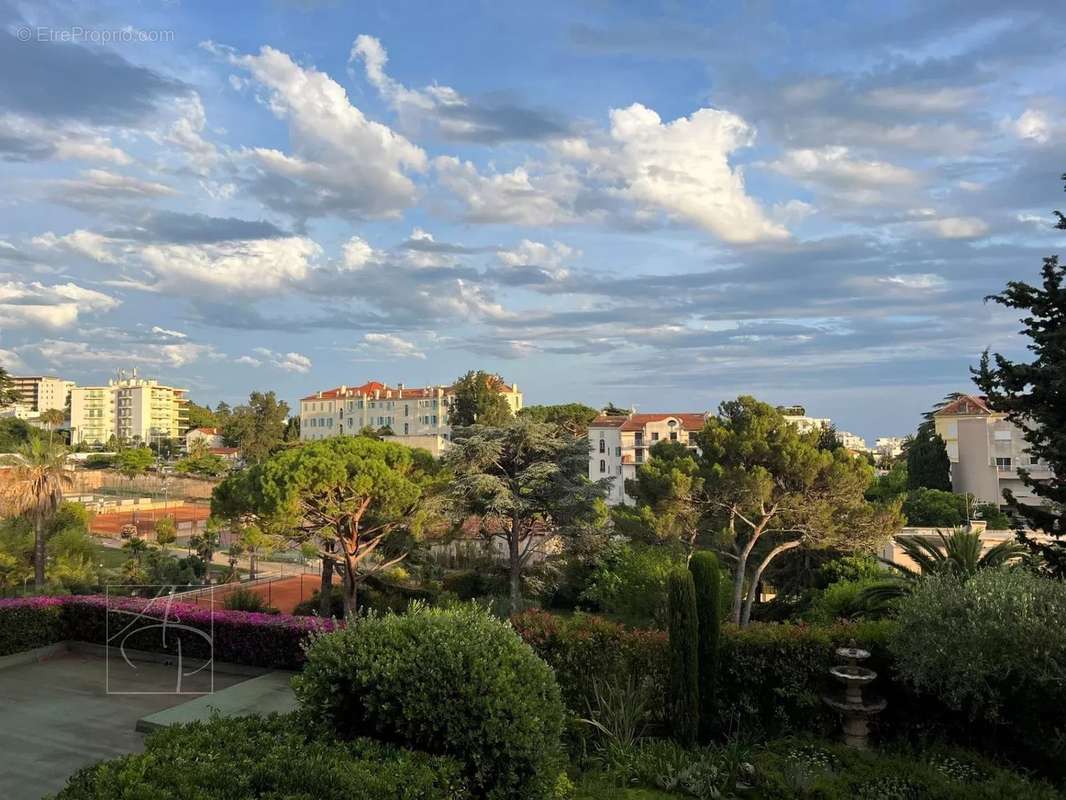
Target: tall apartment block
point(133, 410)
point(39, 393)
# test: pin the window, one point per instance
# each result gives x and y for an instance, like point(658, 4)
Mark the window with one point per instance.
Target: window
point(1003, 463)
point(673, 436)
point(619, 469)
point(603, 465)
point(603, 446)
point(638, 438)
point(655, 436)
point(639, 452)
point(406, 430)
point(1034, 461)
point(618, 451)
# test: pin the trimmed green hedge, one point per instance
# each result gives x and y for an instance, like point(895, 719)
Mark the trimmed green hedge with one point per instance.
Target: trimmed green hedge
point(29, 623)
point(269, 758)
point(452, 681)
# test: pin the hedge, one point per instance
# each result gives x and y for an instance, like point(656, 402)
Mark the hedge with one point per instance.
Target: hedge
point(266, 757)
point(262, 640)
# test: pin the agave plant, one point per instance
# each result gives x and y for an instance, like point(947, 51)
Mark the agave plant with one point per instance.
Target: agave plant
point(961, 553)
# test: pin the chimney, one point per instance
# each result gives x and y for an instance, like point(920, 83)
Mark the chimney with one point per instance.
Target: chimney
point(400, 386)
point(344, 388)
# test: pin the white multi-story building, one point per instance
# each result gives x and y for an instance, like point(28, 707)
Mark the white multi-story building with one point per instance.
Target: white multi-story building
point(888, 447)
point(985, 450)
point(209, 437)
point(39, 393)
point(851, 442)
point(417, 417)
point(797, 415)
point(133, 410)
point(620, 444)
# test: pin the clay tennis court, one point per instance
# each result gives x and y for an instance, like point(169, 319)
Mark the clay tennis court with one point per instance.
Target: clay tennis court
point(284, 593)
point(111, 524)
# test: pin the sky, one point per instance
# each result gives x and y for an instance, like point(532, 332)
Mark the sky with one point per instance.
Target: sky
point(661, 205)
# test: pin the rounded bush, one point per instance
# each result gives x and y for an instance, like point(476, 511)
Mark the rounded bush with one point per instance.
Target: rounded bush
point(453, 682)
point(268, 758)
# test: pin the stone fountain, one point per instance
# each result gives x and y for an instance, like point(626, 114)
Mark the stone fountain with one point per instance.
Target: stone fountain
point(855, 709)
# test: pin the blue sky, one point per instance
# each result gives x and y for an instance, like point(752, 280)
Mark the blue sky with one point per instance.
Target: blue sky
point(659, 205)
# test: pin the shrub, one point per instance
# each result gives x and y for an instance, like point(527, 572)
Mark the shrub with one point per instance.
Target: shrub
point(243, 599)
point(629, 582)
point(585, 649)
point(934, 507)
point(237, 637)
point(993, 646)
point(466, 585)
point(707, 578)
point(448, 681)
point(28, 623)
point(791, 769)
point(257, 757)
point(840, 601)
point(684, 706)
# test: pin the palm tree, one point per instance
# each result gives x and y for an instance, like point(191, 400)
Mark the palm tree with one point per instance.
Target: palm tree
point(52, 417)
point(33, 486)
point(959, 554)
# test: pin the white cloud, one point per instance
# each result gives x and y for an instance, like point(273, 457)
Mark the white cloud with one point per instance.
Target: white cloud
point(682, 168)
point(341, 163)
point(252, 266)
point(166, 333)
point(519, 197)
point(62, 351)
point(956, 227)
point(926, 281)
point(80, 242)
point(290, 362)
point(923, 101)
point(30, 139)
point(358, 253)
point(1032, 124)
point(57, 306)
point(551, 258)
point(389, 345)
point(187, 134)
point(835, 165)
point(11, 361)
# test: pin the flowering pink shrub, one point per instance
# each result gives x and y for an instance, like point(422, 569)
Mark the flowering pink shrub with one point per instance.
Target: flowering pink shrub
point(237, 637)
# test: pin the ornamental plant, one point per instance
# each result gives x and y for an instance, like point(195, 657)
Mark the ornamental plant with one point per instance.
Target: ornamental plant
point(452, 682)
point(706, 580)
point(684, 657)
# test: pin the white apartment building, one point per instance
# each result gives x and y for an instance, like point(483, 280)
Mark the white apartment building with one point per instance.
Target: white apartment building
point(985, 451)
point(851, 442)
point(797, 415)
point(417, 417)
point(133, 410)
point(620, 444)
point(39, 393)
point(888, 447)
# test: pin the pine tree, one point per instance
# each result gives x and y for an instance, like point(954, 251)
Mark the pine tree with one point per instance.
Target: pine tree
point(684, 657)
point(1033, 396)
point(705, 576)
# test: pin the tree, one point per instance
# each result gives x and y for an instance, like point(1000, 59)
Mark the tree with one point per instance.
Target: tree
point(478, 399)
point(1032, 396)
point(705, 578)
point(773, 485)
point(524, 483)
point(33, 487)
point(292, 429)
point(166, 532)
point(201, 461)
point(347, 492)
point(134, 461)
point(202, 416)
point(9, 395)
point(828, 439)
point(574, 417)
point(935, 508)
point(668, 495)
point(611, 410)
point(928, 466)
point(52, 417)
point(257, 428)
point(683, 627)
point(14, 433)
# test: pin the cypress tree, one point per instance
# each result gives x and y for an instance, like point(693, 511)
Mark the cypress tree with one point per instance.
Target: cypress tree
point(684, 657)
point(705, 575)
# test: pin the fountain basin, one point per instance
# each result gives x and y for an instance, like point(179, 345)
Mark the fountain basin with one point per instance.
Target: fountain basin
point(873, 705)
point(853, 653)
point(853, 675)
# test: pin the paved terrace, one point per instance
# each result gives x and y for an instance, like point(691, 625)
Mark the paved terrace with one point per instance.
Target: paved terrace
point(56, 715)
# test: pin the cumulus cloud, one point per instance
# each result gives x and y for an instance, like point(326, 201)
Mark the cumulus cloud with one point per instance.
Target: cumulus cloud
point(837, 170)
point(290, 362)
point(341, 163)
point(542, 261)
point(54, 306)
point(1032, 124)
point(64, 351)
point(444, 111)
point(80, 242)
point(25, 138)
point(390, 345)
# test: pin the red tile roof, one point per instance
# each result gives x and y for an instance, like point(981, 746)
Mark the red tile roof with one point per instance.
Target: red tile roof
point(690, 421)
point(206, 431)
point(370, 387)
point(965, 405)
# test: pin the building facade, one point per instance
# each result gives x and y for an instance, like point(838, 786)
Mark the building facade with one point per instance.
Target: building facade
point(887, 448)
point(851, 442)
point(133, 410)
point(985, 450)
point(39, 393)
point(618, 445)
point(415, 416)
point(209, 437)
point(797, 415)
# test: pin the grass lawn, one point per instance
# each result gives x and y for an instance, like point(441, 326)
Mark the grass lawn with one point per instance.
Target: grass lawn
point(110, 557)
